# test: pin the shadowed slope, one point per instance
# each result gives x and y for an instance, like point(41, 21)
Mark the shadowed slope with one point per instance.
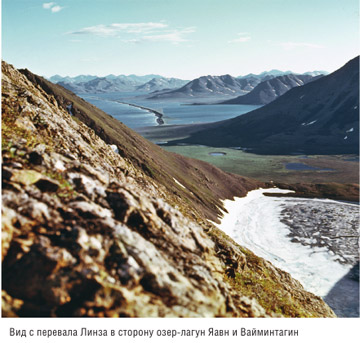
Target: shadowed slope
point(269, 90)
point(321, 117)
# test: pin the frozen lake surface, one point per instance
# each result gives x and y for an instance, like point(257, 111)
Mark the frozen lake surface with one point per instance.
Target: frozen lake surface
point(315, 240)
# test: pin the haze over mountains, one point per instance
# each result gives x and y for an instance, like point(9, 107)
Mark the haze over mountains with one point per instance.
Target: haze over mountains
point(321, 117)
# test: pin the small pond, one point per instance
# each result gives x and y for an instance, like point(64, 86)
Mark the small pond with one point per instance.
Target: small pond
point(303, 166)
point(217, 153)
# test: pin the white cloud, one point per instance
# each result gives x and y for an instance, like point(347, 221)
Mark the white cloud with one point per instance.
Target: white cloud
point(56, 9)
point(244, 37)
point(139, 27)
point(48, 5)
point(115, 29)
point(52, 6)
point(138, 32)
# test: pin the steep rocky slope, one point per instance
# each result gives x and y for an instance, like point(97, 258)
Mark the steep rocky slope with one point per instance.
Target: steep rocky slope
point(86, 232)
point(269, 90)
point(321, 117)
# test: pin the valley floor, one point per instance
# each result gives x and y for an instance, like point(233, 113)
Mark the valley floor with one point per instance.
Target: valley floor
point(277, 168)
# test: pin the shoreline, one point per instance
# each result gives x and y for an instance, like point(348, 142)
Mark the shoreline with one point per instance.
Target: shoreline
point(158, 114)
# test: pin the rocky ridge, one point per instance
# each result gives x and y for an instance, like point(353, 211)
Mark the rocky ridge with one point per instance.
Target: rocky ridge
point(85, 232)
point(109, 84)
point(100, 85)
point(161, 83)
point(271, 89)
point(210, 86)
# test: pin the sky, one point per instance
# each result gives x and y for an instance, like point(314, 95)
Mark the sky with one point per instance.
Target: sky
point(178, 38)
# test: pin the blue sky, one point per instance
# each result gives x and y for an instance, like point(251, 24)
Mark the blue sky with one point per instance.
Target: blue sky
point(178, 38)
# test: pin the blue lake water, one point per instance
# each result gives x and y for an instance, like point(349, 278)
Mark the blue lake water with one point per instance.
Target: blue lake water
point(302, 166)
point(174, 112)
point(217, 153)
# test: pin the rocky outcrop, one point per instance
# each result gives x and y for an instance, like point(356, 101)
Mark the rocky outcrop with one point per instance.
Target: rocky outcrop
point(85, 232)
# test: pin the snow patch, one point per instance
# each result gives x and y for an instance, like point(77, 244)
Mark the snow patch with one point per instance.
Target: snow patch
point(307, 124)
point(254, 222)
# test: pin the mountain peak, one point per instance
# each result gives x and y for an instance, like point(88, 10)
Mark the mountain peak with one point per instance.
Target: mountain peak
point(270, 89)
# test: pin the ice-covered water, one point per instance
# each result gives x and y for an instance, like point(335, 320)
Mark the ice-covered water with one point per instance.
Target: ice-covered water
point(255, 222)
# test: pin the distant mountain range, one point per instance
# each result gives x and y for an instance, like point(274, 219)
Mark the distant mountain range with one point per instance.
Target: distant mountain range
point(321, 117)
point(275, 72)
point(84, 78)
point(91, 84)
point(210, 86)
point(161, 83)
point(269, 90)
point(225, 86)
point(69, 79)
point(100, 85)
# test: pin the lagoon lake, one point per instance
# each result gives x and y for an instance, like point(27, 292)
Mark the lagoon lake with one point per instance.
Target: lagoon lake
point(175, 112)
